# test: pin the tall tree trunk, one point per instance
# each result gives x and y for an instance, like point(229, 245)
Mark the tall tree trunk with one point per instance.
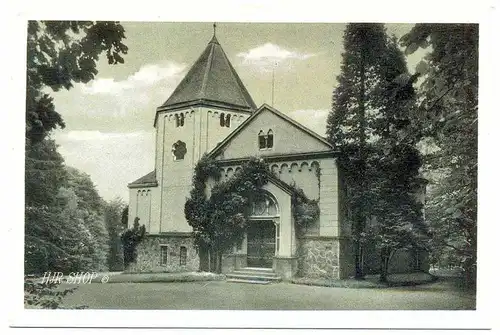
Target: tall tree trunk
point(209, 252)
point(361, 219)
point(218, 261)
point(384, 264)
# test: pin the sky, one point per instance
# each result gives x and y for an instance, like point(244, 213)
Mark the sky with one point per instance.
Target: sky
point(109, 131)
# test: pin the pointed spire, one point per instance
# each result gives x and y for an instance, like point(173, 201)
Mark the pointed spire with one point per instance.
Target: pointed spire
point(212, 80)
point(214, 39)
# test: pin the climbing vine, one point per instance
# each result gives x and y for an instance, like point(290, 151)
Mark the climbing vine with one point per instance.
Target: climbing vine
point(305, 211)
point(131, 238)
point(220, 219)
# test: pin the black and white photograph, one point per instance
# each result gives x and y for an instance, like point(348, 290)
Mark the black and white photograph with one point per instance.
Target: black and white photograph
point(239, 165)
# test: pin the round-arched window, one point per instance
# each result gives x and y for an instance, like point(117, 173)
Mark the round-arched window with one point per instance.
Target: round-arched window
point(265, 206)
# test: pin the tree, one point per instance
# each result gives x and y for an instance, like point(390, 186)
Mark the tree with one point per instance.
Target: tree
point(448, 115)
point(91, 211)
point(45, 174)
point(130, 240)
point(124, 218)
point(59, 54)
point(399, 221)
point(368, 124)
point(113, 212)
point(220, 219)
point(348, 123)
point(64, 228)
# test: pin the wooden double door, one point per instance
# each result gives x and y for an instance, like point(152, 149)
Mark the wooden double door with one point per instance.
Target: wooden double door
point(261, 243)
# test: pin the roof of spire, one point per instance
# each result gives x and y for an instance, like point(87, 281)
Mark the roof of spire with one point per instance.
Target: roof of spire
point(211, 80)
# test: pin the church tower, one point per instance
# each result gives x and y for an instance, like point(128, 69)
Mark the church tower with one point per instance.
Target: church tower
point(207, 105)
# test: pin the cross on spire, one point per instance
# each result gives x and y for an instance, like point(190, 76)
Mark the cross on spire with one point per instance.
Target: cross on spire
point(215, 26)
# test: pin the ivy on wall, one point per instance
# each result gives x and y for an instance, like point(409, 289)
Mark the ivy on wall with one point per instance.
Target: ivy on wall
point(220, 221)
point(305, 211)
point(131, 238)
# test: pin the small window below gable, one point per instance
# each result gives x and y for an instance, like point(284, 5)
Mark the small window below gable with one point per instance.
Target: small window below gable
point(266, 140)
point(262, 140)
point(225, 120)
point(270, 139)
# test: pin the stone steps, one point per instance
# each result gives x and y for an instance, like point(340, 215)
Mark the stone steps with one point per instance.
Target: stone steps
point(244, 281)
point(253, 276)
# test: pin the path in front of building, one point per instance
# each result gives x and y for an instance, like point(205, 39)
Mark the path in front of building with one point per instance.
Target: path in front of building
point(279, 296)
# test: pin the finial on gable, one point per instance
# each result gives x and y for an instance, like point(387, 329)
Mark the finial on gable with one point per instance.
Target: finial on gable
point(214, 39)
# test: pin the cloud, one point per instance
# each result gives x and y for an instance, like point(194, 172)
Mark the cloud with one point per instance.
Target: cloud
point(268, 55)
point(314, 119)
point(96, 135)
point(112, 159)
point(147, 76)
point(108, 104)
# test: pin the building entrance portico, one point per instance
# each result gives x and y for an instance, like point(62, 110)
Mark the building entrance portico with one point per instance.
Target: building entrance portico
point(269, 242)
point(262, 236)
point(261, 243)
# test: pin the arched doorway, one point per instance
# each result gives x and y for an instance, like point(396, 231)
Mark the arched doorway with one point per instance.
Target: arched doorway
point(263, 233)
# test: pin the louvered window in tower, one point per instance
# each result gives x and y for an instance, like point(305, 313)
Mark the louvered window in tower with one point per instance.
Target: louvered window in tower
point(222, 120)
point(228, 121)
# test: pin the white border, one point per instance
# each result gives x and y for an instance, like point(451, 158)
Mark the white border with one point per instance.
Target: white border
point(13, 36)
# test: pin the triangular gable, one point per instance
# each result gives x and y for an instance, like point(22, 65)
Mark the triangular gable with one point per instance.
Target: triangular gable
point(289, 137)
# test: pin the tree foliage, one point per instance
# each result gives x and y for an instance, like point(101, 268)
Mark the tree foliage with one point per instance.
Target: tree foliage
point(305, 211)
point(46, 295)
point(59, 54)
point(130, 240)
point(220, 220)
point(370, 125)
point(219, 213)
point(113, 211)
point(64, 224)
point(448, 115)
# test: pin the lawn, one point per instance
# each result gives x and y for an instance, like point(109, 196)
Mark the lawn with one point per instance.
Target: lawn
point(440, 295)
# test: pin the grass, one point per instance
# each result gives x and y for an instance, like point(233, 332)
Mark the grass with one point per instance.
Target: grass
point(346, 283)
point(372, 281)
point(158, 277)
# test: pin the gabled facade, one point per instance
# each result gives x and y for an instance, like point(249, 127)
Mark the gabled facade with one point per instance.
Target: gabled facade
point(212, 112)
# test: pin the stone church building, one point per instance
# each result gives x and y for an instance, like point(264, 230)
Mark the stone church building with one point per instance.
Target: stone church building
point(212, 112)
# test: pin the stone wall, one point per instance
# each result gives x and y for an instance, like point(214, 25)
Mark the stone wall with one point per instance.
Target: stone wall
point(149, 254)
point(318, 257)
